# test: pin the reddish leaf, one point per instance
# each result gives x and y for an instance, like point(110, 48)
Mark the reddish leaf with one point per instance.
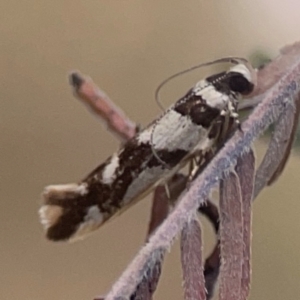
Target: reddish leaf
point(231, 238)
point(279, 148)
point(245, 170)
point(191, 260)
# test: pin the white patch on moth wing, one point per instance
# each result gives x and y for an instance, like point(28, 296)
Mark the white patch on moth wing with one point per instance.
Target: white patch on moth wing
point(92, 220)
point(145, 136)
point(176, 132)
point(65, 191)
point(143, 181)
point(49, 214)
point(213, 98)
point(109, 172)
point(242, 69)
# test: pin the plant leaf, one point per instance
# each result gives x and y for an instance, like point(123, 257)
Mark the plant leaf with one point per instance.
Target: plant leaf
point(245, 170)
point(231, 238)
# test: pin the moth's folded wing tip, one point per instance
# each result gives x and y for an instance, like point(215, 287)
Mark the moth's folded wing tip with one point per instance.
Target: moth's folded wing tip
point(53, 193)
point(67, 214)
point(51, 218)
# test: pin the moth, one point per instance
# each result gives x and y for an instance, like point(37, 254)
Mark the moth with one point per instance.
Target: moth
point(186, 130)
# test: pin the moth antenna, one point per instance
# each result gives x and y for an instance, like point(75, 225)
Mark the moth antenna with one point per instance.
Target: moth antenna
point(153, 149)
point(229, 59)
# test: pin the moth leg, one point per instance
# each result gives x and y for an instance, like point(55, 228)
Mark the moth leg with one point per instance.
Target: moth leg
point(167, 190)
point(230, 123)
point(198, 163)
point(193, 167)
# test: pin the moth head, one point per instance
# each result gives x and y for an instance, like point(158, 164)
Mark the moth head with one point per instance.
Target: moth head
point(241, 78)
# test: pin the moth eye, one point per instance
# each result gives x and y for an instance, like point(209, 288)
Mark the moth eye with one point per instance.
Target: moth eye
point(238, 83)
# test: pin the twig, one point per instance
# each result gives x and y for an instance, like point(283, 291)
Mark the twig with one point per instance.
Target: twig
point(99, 102)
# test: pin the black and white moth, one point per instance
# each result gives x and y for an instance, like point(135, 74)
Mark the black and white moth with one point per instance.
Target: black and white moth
point(189, 128)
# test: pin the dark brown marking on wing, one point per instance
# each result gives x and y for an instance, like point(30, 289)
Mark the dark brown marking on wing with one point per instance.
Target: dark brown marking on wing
point(198, 111)
point(133, 160)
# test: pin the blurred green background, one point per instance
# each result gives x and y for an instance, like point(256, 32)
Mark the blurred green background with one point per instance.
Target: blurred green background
point(47, 136)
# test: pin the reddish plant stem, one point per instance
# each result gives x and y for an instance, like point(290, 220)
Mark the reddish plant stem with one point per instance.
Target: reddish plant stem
point(102, 106)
